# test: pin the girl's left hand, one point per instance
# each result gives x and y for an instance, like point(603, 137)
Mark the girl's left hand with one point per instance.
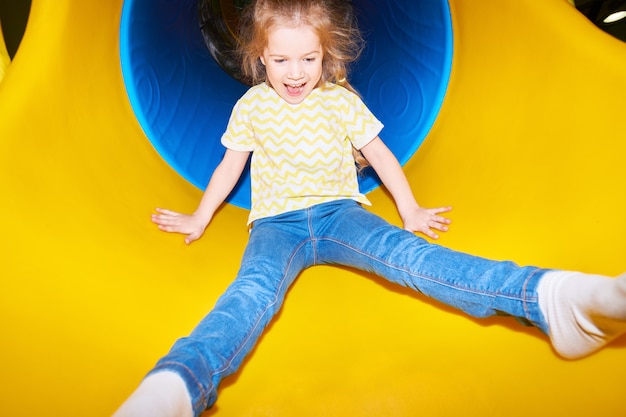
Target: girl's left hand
point(425, 221)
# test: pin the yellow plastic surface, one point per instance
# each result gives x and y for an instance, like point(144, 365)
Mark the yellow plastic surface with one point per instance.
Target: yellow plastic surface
point(529, 149)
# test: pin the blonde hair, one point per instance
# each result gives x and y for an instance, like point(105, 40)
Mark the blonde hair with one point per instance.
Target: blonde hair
point(332, 20)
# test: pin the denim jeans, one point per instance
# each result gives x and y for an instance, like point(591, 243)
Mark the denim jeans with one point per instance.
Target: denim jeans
point(343, 233)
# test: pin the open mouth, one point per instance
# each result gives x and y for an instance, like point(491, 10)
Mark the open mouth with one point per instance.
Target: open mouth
point(294, 89)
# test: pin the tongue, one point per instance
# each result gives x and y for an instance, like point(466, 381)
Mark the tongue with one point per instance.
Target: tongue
point(294, 91)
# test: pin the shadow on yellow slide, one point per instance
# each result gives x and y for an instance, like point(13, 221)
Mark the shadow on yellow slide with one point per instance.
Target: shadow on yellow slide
point(529, 148)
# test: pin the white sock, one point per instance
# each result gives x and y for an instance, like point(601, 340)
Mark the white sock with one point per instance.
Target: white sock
point(584, 312)
point(162, 394)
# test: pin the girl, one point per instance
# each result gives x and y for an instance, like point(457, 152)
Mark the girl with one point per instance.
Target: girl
point(302, 124)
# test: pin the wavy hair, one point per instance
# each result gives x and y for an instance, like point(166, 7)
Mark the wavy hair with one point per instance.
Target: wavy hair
point(332, 20)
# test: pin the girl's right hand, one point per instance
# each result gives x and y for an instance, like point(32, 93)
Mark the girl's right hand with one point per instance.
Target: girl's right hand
point(173, 222)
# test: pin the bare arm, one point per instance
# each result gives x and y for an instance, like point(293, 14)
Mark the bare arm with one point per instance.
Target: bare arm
point(221, 184)
point(414, 217)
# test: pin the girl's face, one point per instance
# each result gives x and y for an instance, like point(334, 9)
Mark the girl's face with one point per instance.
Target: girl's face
point(293, 62)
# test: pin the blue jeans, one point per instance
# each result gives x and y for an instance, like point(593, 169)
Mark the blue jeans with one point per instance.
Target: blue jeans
point(343, 233)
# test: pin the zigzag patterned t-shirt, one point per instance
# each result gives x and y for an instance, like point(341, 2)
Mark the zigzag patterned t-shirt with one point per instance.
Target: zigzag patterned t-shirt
point(301, 154)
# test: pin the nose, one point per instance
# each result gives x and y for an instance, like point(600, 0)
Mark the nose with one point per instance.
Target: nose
point(296, 71)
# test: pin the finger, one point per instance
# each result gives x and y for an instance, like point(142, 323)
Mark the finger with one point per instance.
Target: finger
point(164, 220)
point(441, 210)
point(439, 226)
point(167, 228)
point(441, 220)
point(191, 238)
point(431, 234)
point(423, 230)
point(167, 212)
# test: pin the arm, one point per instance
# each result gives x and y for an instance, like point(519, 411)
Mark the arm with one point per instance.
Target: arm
point(221, 184)
point(414, 217)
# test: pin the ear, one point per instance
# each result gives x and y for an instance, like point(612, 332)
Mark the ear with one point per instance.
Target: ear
point(262, 60)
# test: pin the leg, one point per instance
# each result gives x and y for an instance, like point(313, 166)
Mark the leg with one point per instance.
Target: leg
point(581, 313)
point(477, 286)
point(273, 258)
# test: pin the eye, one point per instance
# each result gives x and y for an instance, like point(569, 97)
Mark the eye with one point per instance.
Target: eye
point(279, 60)
point(312, 59)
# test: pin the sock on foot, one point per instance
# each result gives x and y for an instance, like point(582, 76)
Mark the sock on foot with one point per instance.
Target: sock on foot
point(584, 312)
point(162, 394)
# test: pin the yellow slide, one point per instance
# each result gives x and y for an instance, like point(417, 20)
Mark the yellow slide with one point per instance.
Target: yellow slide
point(529, 149)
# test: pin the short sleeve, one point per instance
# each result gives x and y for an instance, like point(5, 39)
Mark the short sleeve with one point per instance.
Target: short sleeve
point(360, 122)
point(239, 134)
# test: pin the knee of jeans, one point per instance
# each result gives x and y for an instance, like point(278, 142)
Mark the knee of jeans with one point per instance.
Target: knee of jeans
point(260, 276)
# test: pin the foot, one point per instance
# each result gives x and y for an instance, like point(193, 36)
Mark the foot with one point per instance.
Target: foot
point(584, 312)
point(163, 394)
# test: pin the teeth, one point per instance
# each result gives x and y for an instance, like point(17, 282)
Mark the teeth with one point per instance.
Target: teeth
point(295, 86)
